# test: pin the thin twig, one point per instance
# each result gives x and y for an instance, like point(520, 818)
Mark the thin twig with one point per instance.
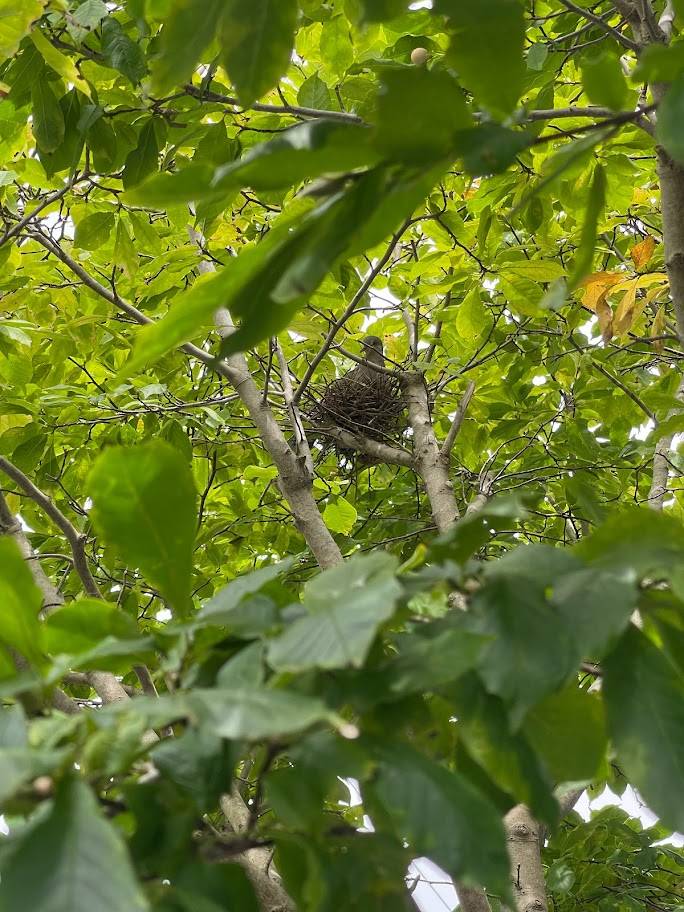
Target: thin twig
point(597, 20)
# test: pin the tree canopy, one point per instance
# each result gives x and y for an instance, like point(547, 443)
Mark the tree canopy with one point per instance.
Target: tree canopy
point(217, 611)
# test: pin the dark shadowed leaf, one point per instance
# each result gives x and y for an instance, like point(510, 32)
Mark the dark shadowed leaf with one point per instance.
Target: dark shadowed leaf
point(644, 696)
point(604, 81)
point(419, 111)
point(48, 116)
point(142, 160)
point(486, 49)
point(188, 29)
point(256, 38)
point(442, 816)
point(121, 52)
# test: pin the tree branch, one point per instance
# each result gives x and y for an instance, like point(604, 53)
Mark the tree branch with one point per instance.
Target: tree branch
point(450, 439)
point(597, 20)
point(430, 463)
point(75, 538)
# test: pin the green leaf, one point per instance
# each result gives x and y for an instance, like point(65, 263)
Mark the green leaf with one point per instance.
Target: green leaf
point(506, 756)
point(636, 541)
point(305, 151)
point(83, 624)
point(419, 112)
point(89, 14)
point(670, 125)
point(568, 730)
point(443, 817)
point(94, 230)
point(120, 52)
point(144, 159)
point(427, 662)
point(490, 148)
point(220, 608)
point(336, 49)
point(380, 10)
point(59, 62)
point(200, 763)
point(16, 17)
point(644, 696)
point(314, 93)
point(68, 153)
point(188, 30)
point(20, 603)
point(254, 713)
point(340, 516)
point(345, 606)
point(124, 249)
point(48, 117)
point(536, 56)
point(486, 49)
point(70, 859)
point(144, 506)
point(257, 37)
point(594, 211)
point(604, 82)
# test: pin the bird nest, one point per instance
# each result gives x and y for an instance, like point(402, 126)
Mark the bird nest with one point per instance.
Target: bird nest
point(364, 402)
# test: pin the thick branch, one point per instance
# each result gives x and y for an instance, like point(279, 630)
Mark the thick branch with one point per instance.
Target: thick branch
point(301, 443)
point(383, 452)
point(430, 463)
point(296, 486)
point(527, 873)
point(662, 462)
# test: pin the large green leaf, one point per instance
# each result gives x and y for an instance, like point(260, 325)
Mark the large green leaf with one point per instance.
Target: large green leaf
point(142, 160)
point(83, 624)
point(644, 695)
point(16, 17)
point(487, 39)
point(188, 30)
point(419, 113)
point(254, 713)
point(121, 52)
point(48, 117)
point(604, 81)
point(506, 756)
point(670, 126)
point(345, 606)
point(568, 730)
point(70, 860)
point(20, 603)
point(594, 210)
point(94, 230)
point(144, 506)
point(257, 37)
point(220, 609)
point(442, 816)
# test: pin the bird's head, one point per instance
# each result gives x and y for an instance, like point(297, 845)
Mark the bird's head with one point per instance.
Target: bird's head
point(373, 350)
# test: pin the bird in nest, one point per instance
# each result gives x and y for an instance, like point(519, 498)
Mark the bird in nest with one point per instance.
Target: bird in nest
point(365, 401)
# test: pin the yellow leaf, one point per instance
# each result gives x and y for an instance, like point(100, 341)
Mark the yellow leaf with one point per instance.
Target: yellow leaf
point(642, 252)
point(628, 310)
point(658, 328)
point(641, 195)
point(604, 313)
point(597, 286)
point(59, 62)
